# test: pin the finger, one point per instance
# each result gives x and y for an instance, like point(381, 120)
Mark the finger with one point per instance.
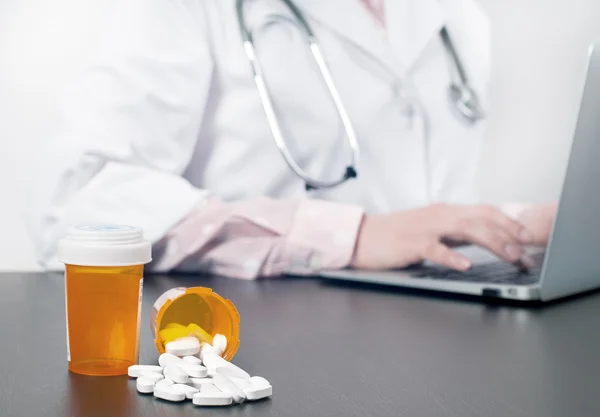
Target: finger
point(440, 254)
point(490, 236)
point(511, 226)
point(525, 263)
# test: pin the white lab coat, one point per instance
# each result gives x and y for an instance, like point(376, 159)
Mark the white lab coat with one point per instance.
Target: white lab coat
point(167, 111)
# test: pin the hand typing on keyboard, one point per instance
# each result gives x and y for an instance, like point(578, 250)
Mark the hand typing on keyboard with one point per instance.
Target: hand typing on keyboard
point(404, 238)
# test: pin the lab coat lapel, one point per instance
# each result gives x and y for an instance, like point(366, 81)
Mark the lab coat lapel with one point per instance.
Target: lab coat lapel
point(352, 21)
point(411, 25)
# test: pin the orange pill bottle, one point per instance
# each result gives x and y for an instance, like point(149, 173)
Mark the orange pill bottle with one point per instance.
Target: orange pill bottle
point(199, 308)
point(103, 292)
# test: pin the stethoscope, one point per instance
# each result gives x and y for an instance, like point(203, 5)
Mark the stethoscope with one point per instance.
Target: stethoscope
point(462, 97)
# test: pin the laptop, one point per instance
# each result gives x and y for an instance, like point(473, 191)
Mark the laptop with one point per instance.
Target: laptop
point(570, 263)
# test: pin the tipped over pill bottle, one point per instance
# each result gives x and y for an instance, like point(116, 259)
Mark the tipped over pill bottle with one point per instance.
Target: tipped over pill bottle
point(103, 290)
point(195, 311)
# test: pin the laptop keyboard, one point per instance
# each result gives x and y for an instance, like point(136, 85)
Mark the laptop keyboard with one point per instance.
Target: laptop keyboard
point(493, 273)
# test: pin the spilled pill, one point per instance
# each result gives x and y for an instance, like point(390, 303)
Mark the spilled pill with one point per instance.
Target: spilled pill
point(168, 393)
point(259, 381)
point(192, 359)
point(199, 382)
point(145, 385)
point(184, 346)
point(209, 388)
point(212, 399)
point(167, 382)
point(175, 373)
point(256, 393)
point(220, 365)
point(193, 370)
point(186, 389)
point(206, 349)
point(168, 359)
point(154, 376)
point(225, 385)
point(135, 371)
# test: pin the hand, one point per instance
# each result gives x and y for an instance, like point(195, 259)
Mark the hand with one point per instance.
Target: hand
point(536, 218)
point(400, 239)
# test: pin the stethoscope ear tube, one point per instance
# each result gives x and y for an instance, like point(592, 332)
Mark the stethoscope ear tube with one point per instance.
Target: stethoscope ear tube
point(310, 183)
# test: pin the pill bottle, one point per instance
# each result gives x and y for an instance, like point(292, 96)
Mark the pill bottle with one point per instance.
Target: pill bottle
point(104, 268)
point(200, 306)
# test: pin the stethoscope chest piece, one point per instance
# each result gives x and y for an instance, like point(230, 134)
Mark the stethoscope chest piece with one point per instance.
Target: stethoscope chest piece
point(465, 103)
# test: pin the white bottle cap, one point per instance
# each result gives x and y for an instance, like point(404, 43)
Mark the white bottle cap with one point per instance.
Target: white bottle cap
point(105, 245)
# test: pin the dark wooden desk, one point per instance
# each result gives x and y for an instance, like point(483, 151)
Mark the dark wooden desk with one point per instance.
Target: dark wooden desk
point(329, 350)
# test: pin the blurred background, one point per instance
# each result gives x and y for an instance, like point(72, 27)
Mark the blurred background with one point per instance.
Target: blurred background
point(539, 54)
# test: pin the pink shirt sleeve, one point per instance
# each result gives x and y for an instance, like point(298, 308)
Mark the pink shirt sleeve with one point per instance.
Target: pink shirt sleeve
point(263, 237)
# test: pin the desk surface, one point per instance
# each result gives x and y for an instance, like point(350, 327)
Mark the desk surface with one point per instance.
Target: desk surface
point(328, 350)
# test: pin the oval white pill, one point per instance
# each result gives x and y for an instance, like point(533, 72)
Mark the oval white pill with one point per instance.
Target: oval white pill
point(212, 399)
point(241, 383)
point(194, 370)
point(209, 388)
point(199, 382)
point(184, 346)
point(225, 385)
point(135, 371)
point(167, 382)
point(145, 385)
point(212, 360)
point(177, 374)
point(168, 393)
point(216, 363)
point(259, 382)
point(192, 359)
point(155, 376)
point(253, 394)
point(186, 389)
point(207, 349)
point(220, 342)
point(168, 359)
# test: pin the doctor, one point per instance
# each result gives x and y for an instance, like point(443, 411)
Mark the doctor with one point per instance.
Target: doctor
point(166, 129)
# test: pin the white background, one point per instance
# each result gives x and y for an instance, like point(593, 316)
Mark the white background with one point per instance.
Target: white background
point(539, 55)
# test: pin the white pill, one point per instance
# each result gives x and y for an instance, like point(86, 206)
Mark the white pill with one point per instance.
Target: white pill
point(145, 385)
point(155, 376)
point(199, 382)
point(241, 383)
point(259, 382)
point(207, 349)
point(212, 399)
point(177, 374)
point(184, 346)
point(254, 393)
point(220, 342)
point(225, 385)
point(168, 359)
point(168, 393)
point(216, 363)
point(135, 371)
point(192, 359)
point(167, 382)
point(186, 389)
point(209, 388)
point(193, 370)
